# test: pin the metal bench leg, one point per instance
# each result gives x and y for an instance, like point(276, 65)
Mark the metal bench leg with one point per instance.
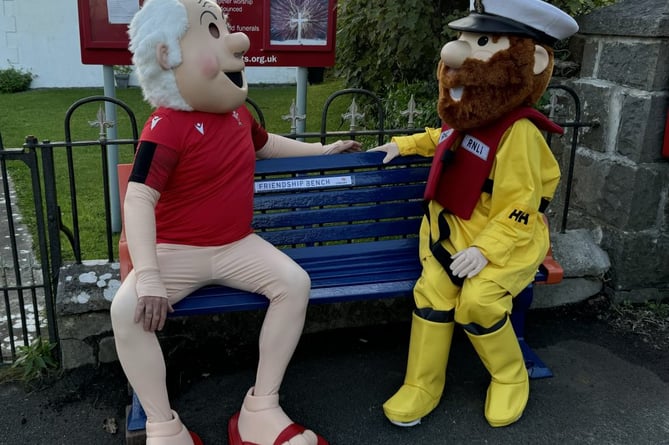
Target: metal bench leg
point(135, 433)
point(536, 368)
point(136, 415)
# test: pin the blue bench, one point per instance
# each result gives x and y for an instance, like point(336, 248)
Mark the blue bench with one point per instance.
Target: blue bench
point(352, 224)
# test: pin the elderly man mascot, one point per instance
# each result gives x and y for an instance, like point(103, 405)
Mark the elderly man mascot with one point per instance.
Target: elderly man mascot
point(483, 235)
point(188, 212)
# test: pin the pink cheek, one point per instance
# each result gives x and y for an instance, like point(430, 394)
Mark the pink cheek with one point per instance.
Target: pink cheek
point(209, 67)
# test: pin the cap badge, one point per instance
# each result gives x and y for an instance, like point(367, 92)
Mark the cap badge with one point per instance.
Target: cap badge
point(478, 6)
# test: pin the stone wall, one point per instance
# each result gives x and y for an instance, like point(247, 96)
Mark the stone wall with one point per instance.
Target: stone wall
point(83, 298)
point(621, 182)
point(85, 292)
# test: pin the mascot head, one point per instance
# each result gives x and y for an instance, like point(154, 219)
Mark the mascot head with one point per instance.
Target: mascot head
point(186, 58)
point(502, 60)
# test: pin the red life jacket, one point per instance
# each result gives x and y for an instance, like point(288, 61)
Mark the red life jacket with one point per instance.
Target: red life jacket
point(457, 175)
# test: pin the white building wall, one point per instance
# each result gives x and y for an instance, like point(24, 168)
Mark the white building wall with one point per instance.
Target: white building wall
point(42, 36)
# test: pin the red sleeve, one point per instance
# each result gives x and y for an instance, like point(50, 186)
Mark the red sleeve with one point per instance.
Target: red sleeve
point(258, 133)
point(153, 165)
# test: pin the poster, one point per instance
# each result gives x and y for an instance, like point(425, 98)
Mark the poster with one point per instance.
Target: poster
point(283, 33)
point(121, 11)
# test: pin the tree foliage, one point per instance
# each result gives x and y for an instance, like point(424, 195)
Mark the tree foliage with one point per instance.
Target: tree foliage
point(384, 44)
point(576, 8)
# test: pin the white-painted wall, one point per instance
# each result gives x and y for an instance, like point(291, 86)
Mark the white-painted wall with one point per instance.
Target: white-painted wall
point(42, 36)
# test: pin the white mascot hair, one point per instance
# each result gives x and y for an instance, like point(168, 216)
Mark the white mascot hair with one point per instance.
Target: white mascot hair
point(158, 22)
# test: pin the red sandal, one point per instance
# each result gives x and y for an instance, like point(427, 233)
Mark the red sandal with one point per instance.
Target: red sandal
point(196, 438)
point(288, 433)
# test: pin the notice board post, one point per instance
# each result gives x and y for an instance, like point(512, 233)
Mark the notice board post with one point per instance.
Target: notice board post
point(103, 40)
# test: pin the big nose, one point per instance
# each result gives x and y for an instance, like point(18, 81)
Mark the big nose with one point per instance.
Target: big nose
point(238, 43)
point(454, 53)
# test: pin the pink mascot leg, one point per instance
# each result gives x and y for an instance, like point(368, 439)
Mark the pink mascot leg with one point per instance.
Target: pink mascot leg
point(261, 420)
point(144, 366)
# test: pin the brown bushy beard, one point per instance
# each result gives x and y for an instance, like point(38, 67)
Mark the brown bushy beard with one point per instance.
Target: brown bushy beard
point(492, 88)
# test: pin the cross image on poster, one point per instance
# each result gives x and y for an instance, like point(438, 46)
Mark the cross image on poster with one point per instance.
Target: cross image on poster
point(299, 22)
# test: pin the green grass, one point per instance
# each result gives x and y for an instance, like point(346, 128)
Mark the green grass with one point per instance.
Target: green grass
point(42, 112)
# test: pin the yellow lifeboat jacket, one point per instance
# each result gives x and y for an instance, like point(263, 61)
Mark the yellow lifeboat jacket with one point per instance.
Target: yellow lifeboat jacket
point(504, 222)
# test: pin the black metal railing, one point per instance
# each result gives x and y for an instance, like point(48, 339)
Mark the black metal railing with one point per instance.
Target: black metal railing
point(53, 223)
point(25, 282)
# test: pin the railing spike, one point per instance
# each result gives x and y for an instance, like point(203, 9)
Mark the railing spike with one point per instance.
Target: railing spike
point(293, 117)
point(411, 111)
point(352, 116)
point(102, 123)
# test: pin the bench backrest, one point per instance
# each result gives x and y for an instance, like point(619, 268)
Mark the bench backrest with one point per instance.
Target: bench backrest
point(339, 198)
point(320, 200)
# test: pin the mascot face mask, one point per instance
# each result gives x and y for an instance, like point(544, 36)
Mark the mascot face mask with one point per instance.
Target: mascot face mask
point(502, 60)
point(483, 77)
point(210, 76)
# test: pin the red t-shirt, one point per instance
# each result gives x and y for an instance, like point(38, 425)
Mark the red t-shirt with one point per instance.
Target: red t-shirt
point(202, 164)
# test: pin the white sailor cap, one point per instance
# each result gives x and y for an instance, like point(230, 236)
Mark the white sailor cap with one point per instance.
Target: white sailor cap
point(531, 18)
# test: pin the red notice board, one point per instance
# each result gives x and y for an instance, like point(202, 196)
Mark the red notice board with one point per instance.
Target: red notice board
point(282, 32)
point(102, 42)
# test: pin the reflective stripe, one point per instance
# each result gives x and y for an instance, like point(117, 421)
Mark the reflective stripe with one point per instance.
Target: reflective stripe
point(477, 329)
point(436, 316)
point(438, 250)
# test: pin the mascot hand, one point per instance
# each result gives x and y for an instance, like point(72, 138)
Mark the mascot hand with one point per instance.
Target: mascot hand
point(151, 312)
point(468, 262)
point(391, 149)
point(341, 147)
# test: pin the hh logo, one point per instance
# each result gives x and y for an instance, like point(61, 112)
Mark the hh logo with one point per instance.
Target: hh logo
point(520, 216)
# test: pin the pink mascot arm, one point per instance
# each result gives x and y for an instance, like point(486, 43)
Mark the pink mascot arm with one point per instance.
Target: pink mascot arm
point(140, 227)
point(283, 147)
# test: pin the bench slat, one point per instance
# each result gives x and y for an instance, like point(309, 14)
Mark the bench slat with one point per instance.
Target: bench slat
point(208, 299)
point(298, 200)
point(394, 210)
point(380, 176)
point(343, 233)
point(280, 166)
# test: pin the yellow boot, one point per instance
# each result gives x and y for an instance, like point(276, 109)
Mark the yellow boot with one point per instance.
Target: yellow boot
point(510, 384)
point(424, 382)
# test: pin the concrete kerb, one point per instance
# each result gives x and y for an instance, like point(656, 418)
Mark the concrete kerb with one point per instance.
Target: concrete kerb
point(585, 264)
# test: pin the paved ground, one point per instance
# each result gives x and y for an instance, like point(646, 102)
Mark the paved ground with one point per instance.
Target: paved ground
point(25, 269)
point(609, 387)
